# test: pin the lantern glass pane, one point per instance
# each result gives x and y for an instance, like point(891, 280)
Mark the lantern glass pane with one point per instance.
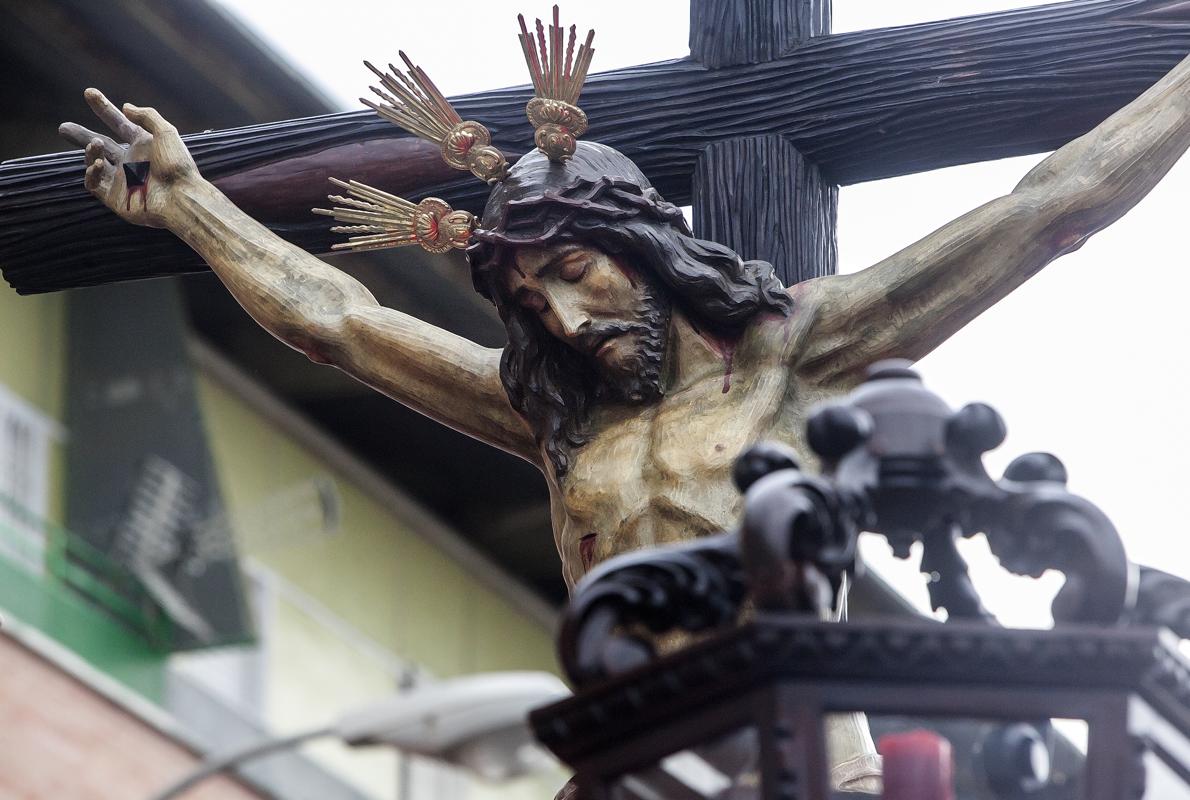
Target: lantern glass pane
point(725, 767)
point(979, 759)
point(1162, 780)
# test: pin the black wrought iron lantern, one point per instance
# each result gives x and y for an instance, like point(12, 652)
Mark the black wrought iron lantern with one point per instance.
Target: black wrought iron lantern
point(706, 670)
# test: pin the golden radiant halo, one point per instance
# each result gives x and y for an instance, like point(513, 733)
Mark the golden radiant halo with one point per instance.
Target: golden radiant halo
point(558, 73)
point(382, 220)
point(411, 100)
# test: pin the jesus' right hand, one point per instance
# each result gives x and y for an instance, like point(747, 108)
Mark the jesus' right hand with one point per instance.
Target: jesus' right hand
point(135, 173)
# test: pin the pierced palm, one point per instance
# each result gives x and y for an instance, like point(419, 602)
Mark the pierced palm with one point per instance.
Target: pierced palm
point(134, 179)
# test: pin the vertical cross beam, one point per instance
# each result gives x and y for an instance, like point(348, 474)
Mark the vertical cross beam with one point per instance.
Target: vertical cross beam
point(726, 32)
point(758, 194)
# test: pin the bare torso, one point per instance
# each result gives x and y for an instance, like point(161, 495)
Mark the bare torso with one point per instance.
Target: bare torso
point(662, 472)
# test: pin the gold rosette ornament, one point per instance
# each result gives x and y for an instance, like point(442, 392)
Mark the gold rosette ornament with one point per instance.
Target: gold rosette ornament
point(558, 74)
point(383, 220)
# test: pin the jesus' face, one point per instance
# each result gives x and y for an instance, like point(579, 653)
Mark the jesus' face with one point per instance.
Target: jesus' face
point(599, 306)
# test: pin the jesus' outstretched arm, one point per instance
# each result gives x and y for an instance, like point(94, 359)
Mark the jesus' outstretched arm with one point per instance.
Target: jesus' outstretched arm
point(911, 302)
point(304, 302)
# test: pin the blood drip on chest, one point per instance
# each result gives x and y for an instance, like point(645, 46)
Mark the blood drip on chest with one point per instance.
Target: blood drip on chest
point(586, 550)
point(724, 347)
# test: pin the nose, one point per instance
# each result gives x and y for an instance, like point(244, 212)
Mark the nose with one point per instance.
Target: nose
point(571, 318)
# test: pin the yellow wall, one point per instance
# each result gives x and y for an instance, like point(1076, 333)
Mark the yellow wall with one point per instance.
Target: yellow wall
point(34, 355)
point(395, 587)
point(398, 590)
point(32, 365)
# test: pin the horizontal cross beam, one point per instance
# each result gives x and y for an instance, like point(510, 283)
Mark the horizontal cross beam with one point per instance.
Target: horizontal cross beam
point(863, 105)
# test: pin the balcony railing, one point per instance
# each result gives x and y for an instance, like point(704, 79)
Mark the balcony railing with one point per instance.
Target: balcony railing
point(65, 562)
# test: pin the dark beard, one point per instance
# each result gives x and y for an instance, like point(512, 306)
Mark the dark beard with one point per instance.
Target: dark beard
point(639, 379)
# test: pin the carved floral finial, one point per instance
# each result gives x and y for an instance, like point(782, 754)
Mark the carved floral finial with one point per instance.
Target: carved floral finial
point(558, 73)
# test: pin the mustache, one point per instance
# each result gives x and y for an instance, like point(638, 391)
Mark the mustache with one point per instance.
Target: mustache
point(591, 338)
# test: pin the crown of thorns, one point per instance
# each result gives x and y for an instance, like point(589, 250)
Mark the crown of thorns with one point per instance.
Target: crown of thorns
point(377, 219)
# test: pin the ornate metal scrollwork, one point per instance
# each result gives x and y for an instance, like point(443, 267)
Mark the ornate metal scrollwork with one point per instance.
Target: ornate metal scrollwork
point(1162, 600)
point(896, 461)
point(692, 586)
point(797, 541)
point(919, 470)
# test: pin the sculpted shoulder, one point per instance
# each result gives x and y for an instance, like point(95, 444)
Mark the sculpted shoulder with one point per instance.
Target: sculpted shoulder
point(788, 334)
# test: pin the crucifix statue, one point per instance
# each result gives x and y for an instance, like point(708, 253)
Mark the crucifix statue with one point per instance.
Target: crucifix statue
point(641, 359)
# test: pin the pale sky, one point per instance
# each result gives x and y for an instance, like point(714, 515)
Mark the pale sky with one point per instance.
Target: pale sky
point(1086, 360)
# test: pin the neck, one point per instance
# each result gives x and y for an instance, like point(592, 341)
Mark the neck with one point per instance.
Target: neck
point(694, 353)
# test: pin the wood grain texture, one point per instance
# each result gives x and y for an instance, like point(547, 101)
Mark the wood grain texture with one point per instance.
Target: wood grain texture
point(861, 105)
point(761, 197)
point(757, 194)
point(724, 32)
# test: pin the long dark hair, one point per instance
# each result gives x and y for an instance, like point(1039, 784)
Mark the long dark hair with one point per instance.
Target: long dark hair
point(599, 198)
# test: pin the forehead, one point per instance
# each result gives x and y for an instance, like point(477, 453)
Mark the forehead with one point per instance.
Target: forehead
point(528, 261)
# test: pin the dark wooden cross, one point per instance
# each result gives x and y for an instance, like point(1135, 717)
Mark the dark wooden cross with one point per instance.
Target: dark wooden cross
point(757, 129)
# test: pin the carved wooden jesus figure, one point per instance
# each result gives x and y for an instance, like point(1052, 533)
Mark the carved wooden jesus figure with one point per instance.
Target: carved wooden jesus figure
point(640, 360)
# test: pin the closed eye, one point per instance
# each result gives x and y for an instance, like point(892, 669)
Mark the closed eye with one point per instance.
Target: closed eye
point(573, 269)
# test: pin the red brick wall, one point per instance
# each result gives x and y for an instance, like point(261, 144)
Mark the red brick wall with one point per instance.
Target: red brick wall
point(59, 740)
